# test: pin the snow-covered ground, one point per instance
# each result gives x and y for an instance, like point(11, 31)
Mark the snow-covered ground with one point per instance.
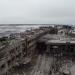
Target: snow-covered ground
point(43, 65)
point(73, 69)
point(8, 29)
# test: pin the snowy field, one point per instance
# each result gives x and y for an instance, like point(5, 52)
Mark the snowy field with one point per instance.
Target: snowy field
point(8, 29)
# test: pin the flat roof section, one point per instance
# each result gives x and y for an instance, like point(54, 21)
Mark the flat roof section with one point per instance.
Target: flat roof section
point(57, 39)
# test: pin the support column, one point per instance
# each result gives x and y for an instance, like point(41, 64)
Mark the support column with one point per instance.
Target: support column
point(48, 49)
point(74, 48)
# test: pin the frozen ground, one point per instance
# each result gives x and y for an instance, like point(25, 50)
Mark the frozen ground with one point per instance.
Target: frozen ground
point(5, 30)
point(42, 67)
point(73, 69)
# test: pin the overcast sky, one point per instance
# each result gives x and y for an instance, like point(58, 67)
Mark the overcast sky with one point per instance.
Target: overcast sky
point(37, 11)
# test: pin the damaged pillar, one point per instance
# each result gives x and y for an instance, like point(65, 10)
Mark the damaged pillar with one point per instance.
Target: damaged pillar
point(48, 49)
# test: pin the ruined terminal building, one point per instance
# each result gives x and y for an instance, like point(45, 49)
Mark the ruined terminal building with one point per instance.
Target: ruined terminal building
point(55, 41)
point(15, 51)
point(59, 46)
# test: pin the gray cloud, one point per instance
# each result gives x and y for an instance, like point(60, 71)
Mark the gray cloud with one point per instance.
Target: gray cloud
point(37, 11)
